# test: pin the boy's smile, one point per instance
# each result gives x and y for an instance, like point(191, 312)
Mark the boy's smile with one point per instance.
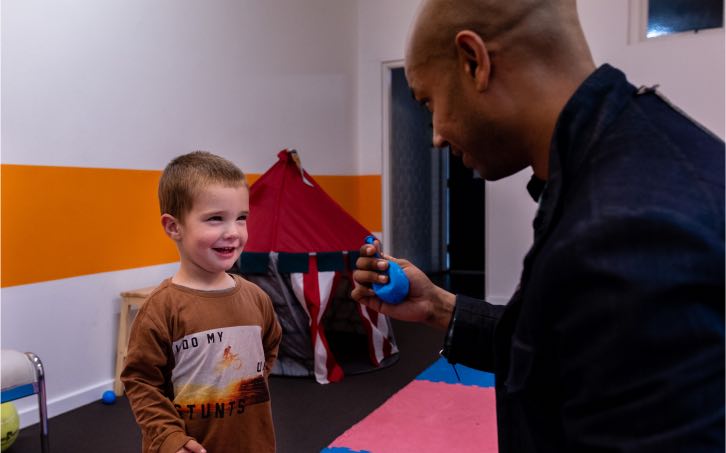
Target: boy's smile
point(212, 235)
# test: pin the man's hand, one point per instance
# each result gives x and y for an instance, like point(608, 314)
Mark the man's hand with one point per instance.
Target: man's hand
point(192, 446)
point(425, 302)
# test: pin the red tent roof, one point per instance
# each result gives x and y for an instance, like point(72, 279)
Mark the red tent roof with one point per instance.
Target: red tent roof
point(289, 215)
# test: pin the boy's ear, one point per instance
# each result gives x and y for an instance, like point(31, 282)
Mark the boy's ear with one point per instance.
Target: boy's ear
point(473, 57)
point(171, 225)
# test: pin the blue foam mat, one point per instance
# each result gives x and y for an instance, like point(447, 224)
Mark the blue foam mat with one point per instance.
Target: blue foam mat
point(342, 450)
point(443, 371)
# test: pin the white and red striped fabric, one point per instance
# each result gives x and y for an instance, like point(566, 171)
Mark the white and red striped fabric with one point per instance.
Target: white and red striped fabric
point(376, 325)
point(313, 290)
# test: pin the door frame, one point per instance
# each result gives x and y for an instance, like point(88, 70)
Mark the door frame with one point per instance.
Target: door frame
point(387, 68)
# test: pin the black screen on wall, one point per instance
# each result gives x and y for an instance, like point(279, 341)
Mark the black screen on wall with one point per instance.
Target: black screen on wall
point(674, 16)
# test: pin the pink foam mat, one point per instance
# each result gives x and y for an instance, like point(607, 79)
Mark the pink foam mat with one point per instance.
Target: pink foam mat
point(428, 417)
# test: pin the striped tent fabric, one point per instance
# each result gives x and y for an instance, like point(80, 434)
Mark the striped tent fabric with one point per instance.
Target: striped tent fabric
point(300, 249)
point(313, 290)
point(379, 332)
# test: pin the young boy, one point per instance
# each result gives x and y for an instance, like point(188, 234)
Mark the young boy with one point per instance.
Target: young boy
point(203, 344)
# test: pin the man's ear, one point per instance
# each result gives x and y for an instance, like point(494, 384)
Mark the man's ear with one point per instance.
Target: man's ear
point(172, 227)
point(474, 57)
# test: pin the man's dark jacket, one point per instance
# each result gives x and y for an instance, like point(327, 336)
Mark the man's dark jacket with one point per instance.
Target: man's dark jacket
point(614, 340)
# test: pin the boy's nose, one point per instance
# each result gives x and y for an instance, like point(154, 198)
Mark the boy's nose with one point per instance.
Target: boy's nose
point(231, 231)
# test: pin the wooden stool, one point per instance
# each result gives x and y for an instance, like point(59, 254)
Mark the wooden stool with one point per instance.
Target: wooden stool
point(130, 300)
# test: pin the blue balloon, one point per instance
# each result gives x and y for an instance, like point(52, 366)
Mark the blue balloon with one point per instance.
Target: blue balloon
point(396, 290)
point(109, 397)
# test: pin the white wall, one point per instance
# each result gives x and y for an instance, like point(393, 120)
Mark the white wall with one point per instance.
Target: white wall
point(71, 324)
point(132, 83)
point(689, 69)
point(382, 30)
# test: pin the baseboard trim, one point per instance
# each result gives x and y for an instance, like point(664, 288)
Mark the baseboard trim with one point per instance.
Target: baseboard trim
point(29, 412)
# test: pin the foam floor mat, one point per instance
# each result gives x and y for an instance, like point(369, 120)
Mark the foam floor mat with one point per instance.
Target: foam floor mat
point(438, 412)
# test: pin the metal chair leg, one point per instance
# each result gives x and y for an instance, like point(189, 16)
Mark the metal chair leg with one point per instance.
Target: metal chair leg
point(42, 407)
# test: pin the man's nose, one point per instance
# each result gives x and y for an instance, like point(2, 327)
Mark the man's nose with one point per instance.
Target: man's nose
point(439, 141)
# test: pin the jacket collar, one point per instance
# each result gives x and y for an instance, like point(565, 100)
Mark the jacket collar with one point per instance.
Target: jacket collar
point(583, 120)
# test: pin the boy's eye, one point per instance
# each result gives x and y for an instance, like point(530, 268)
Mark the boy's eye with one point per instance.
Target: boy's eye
point(215, 218)
point(242, 218)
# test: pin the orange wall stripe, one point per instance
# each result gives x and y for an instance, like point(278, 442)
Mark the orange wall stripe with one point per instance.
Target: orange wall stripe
point(61, 222)
point(360, 196)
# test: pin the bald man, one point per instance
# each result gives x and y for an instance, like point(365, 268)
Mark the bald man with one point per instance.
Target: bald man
point(614, 339)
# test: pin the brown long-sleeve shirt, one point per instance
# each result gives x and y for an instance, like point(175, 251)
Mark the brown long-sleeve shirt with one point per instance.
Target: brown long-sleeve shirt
point(197, 367)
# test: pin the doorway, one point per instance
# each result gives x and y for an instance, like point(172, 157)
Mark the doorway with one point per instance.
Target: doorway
point(433, 208)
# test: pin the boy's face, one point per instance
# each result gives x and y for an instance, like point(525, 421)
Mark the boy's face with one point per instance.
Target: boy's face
point(214, 232)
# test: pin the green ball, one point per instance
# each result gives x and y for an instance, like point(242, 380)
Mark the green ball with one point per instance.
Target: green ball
point(10, 424)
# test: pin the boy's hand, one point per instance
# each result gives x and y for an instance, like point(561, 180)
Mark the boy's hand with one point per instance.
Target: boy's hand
point(192, 446)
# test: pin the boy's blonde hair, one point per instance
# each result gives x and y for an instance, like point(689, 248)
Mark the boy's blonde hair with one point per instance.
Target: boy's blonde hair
point(184, 176)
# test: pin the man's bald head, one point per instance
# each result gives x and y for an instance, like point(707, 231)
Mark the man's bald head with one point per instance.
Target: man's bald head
point(533, 26)
point(496, 74)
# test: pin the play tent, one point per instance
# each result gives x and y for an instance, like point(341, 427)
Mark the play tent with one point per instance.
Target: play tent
point(300, 250)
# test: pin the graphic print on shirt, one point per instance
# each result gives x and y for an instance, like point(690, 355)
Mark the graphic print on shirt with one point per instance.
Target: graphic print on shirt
point(219, 372)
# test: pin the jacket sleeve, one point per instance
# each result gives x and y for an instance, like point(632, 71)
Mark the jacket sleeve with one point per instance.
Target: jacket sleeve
point(638, 316)
point(470, 336)
point(147, 380)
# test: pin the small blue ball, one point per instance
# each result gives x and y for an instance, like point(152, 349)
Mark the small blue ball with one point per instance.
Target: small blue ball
point(108, 397)
point(396, 290)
